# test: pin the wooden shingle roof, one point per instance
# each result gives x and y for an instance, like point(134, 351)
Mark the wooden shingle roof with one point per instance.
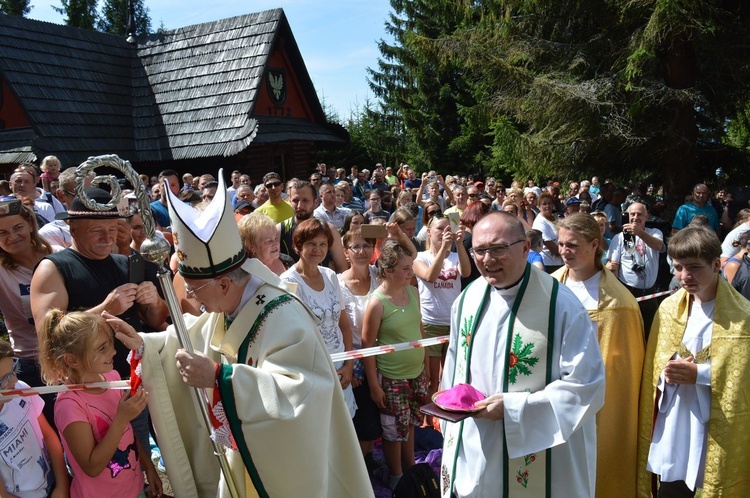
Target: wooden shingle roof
point(180, 94)
point(73, 85)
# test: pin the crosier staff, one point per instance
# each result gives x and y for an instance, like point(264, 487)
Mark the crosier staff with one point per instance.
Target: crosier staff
point(156, 250)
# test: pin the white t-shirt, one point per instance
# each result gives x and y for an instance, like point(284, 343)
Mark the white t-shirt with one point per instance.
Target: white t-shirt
point(639, 254)
point(549, 234)
point(24, 464)
point(436, 298)
point(727, 249)
point(355, 306)
point(15, 301)
point(586, 291)
point(327, 304)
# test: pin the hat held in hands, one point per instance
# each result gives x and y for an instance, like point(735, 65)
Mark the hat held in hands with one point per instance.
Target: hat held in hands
point(458, 398)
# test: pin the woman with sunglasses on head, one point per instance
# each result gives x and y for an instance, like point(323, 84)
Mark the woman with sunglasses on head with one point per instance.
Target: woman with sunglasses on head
point(438, 271)
point(21, 248)
point(429, 209)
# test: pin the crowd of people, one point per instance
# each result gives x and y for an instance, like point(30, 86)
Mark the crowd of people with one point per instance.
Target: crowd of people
point(553, 298)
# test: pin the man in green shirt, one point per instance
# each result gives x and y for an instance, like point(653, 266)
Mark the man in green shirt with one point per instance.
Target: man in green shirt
point(275, 207)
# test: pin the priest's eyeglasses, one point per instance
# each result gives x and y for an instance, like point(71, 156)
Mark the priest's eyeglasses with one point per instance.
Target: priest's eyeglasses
point(191, 292)
point(5, 380)
point(496, 251)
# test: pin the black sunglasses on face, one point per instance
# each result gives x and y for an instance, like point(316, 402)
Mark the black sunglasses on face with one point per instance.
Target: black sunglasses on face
point(273, 184)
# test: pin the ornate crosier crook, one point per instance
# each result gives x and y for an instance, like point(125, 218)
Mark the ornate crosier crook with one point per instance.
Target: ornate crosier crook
point(156, 250)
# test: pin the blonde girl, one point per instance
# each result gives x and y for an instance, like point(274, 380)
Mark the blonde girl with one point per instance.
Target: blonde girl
point(97, 437)
point(399, 381)
point(50, 172)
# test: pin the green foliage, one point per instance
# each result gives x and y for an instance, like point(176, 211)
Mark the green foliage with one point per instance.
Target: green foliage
point(738, 130)
point(15, 7)
point(116, 15)
point(616, 88)
point(374, 137)
point(79, 13)
point(541, 88)
point(426, 99)
point(113, 18)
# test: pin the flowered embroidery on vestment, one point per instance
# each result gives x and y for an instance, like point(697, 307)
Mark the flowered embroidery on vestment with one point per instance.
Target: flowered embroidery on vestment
point(520, 359)
point(466, 329)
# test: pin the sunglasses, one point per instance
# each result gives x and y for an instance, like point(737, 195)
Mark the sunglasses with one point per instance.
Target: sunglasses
point(25, 169)
point(14, 370)
point(273, 184)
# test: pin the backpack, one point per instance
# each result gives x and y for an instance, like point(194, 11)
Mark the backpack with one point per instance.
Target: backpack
point(418, 481)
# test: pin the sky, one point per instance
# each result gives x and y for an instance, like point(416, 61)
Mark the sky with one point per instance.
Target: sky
point(337, 38)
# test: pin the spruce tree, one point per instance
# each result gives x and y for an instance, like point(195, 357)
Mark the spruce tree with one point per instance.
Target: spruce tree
point(79, 13)
point(116, 14)
point(421, 97)
point(15, 7)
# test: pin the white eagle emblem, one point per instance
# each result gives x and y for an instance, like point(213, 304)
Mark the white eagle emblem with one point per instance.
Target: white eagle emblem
point(277, 84)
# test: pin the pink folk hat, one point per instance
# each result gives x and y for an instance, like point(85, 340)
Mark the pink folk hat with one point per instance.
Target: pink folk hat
point(458, 398)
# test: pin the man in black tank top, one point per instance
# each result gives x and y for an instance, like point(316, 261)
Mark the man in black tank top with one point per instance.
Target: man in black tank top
point(303, 198)
point(87, 277)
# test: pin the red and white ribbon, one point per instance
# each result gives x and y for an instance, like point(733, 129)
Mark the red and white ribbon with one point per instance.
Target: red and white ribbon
point(8, 394)
point(652, 296)
point(388, 348)
point(125, 384)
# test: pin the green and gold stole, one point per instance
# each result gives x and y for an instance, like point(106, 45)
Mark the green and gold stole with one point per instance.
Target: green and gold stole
point(529, 339)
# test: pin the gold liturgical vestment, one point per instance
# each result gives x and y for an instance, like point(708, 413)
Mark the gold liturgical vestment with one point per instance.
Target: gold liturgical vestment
point(619, 329)
point(728, 453)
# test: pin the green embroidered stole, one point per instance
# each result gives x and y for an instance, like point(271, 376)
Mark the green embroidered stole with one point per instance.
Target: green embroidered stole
point(528, 367)
point(260, 309)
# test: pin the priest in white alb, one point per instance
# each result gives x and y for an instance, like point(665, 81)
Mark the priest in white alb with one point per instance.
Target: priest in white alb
point(526, 342)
